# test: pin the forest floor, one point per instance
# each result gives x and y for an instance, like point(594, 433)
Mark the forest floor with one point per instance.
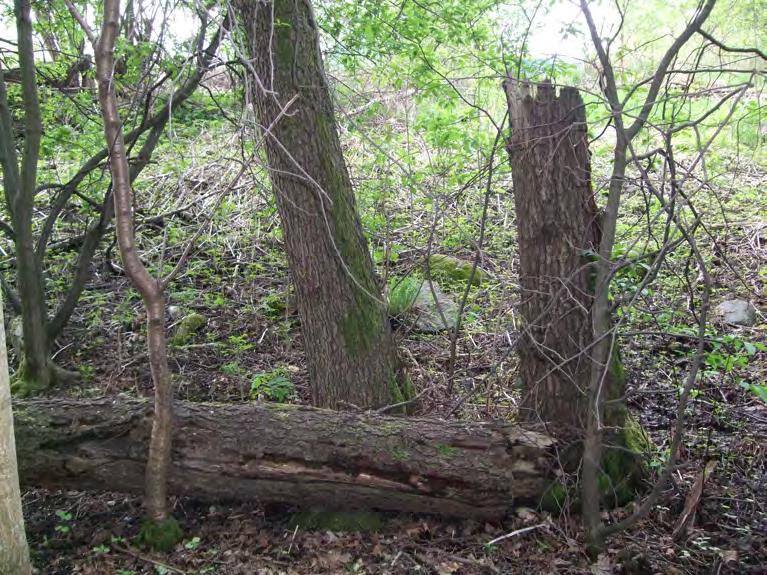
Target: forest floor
point(238, 282)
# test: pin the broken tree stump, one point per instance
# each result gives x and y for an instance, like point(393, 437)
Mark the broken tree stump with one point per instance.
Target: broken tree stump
point(286, 453)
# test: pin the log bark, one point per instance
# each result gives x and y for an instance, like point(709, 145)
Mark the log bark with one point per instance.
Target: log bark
point(284, 453)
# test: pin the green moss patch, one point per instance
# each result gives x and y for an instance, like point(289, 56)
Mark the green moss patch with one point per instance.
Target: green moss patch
point(622, 476)
point(160, 535)
point(187, 328)
point(338, 521)
point(455, 269)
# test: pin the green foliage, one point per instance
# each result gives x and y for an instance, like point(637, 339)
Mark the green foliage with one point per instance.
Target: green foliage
point(274, 385)
point(729, 353)
point(402, 294)
point(232, 368)
point(160, 536)
point(64, 523)
point(193, 543)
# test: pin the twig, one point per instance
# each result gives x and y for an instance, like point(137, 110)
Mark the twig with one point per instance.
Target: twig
point(515, 533)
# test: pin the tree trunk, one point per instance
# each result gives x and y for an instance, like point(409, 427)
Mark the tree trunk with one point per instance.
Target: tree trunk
point(151, 289)
point(558, 233)
point(19, 181)
point(287, 453)
point(14, 553)
point(350, 349)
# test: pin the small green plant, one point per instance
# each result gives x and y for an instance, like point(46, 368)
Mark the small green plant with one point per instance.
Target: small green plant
point(240, 343)
point(729, 353)
point(63, 526)
point(759, 391)
point(402, 294)
point(274, 305)
point(193, 543)
point(87, 373)
point(232, 369)
point(274, 385)
point(101, 549)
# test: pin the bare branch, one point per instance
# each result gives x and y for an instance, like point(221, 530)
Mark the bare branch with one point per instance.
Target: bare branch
point(715, 42)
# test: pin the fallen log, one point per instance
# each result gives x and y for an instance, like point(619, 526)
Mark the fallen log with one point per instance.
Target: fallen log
point(285, 453)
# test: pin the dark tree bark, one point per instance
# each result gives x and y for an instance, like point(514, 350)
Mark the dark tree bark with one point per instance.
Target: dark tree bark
point(558, 233)
point(286, 453)
point(19, 180)
point(349, 345)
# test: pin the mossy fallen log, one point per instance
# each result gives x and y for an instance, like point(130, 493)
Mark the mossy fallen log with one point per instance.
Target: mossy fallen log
point(283, 453)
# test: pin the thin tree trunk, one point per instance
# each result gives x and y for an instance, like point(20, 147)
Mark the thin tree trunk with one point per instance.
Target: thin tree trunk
point(19, 181)
point(14, 553)
point(288, 453)
point(151, 290)
point(350, 348)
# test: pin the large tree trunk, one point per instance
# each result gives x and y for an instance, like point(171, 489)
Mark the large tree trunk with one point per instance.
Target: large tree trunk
point(300, 455)
point(350, 349)
point(558, 235)
point(14, 553)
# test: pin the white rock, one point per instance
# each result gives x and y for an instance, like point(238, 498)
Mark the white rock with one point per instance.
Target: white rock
point(174, 312)
point(737, 312)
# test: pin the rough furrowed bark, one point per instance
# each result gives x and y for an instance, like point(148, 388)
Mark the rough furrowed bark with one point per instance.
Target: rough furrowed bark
point(559, 234)
point(294, 454)
point(350, 349)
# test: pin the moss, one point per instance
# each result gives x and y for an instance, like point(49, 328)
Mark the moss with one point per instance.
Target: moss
point(622, 474)
point(160, 535)
point(401, 390)
point(618, 478)
point(360, 328)
point(455, 269)
point(555, 498)
point(338, 521)
point(448, 450)
point(391, 427)
point(188, 327)
point(635, 438)
point(23, 384)
point(400, 453)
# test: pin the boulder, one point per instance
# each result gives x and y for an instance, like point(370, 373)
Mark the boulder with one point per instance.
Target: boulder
point(187, 328)
point(455, 269)
point(737, 312)
point(427, 307)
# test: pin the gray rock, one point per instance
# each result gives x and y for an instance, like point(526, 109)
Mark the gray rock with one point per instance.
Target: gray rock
point(426, 310)
point(737, 312)
point(175, 312)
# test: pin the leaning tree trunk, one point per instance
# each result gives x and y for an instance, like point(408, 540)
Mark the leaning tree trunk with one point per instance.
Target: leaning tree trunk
point(350, 349)
point(14, 553)
point(559, 232)
point(287, 453)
